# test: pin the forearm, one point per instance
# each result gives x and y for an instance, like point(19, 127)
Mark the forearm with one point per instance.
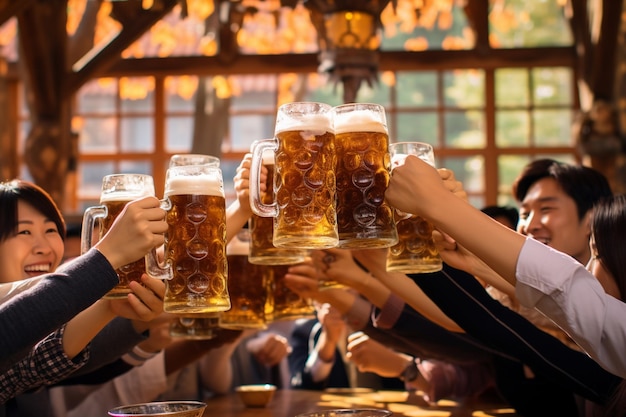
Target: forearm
point(236, 218)
point(466, 224)
point(85, 326)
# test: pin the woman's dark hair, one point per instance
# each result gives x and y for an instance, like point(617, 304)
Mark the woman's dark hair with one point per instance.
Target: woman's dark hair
point(584, 185)
point(508, 212)
point(608, 226)
point(17, 190)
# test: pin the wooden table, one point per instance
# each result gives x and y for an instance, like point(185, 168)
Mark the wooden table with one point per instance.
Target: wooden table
point(289, 403)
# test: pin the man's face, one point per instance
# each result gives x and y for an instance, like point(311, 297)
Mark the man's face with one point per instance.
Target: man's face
point(549, 215)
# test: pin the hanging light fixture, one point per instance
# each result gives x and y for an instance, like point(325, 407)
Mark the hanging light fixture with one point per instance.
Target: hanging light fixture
point(349, 36)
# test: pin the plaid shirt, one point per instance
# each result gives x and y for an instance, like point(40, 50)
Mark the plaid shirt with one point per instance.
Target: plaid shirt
point(46, 364)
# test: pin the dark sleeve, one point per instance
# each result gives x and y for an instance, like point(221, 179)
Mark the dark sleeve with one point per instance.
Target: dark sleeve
point(33, 314)
point(464, 300)
point(300, 377)
point(423, 338)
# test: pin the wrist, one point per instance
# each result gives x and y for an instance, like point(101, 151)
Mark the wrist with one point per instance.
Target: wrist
point(410, 372)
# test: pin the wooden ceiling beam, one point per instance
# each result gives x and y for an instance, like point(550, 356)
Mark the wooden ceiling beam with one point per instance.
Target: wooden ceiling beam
point(300, 63)
point(96, 62)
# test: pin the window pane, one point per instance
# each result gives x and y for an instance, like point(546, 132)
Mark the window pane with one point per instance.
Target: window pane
point(245, 129)
point(528, 23)
point(137, 94)
point(464, 88)
point(178, 133)
point(553, 127)
point(137, 134)
point(509, 167)
point(416, 89)
point(256, 93)
point(97, 135)
point(552, 86)
point(417, 127)
point(512, 128)
point(511, 87)
point(465, 129)
point(90, 178)
point(97, 96)
point(180, 93)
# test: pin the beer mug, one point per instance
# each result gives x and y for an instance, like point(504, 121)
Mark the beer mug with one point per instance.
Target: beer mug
point(194, 159)
point(247, 284)
point(117, 191)
point(262, 249)
point(364, 218)
point(282, 303)
point(303, 205)
point(195, 265)
point(415, 251)
point(195, 326)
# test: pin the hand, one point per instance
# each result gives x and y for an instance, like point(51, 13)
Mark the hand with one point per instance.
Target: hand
point(159, 336)
point(138, 228)
point(242, 183)
point(413, 185)
point(338, 265)
point(273, 350)
point(370, 356)
point(145, 302)
point(332, 322)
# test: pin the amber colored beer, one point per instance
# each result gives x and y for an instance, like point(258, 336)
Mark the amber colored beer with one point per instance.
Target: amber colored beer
point(305, 189)
point(117, 190)
point(196, 243)
point(195, 326)
point(303, 205)
point(282, 303)
point(415, 251)
point(247, 286)
point(262, 249)
point(129, 272)
point(364, 218)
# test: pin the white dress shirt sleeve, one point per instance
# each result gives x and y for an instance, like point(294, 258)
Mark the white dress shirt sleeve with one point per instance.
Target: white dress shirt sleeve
point(562, 289)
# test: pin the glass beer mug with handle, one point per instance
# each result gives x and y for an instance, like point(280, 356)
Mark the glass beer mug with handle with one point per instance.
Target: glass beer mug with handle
point(415, 251)
point(117, 191)
point(364, 218)
point(194, 159)
point(195, 265)
point(262, 249)
point(303, 207)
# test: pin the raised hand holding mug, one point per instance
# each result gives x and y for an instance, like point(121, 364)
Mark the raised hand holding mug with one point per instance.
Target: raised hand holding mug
point(415, 251)
point(195, 264)
point(303, 206)
point(117, 190)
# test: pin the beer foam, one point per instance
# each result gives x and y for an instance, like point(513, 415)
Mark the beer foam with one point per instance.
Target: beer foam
point(314, 122)
point(358, 121)
point(202, 184)
point(127, 195)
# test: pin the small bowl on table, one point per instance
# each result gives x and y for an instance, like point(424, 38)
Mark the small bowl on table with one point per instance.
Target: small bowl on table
point(164, 408)
point(256, 395)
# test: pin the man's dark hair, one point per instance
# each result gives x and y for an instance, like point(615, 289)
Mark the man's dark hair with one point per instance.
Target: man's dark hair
point(584, 185)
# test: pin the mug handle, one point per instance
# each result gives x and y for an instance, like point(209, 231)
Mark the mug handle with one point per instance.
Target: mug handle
point(154, 267)
point(89, 220)
point(257, 206)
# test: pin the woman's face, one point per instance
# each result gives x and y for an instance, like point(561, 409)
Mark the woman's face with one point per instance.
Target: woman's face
point(36, 248)
point(598, 270)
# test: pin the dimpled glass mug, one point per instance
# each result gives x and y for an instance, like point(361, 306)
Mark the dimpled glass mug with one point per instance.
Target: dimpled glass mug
point(364, 218)
point(246, 286)
point(262, 249)
point(415, 251)
point(194, 159)
point(303, 207)
point(117, 191)
point(195, 265)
